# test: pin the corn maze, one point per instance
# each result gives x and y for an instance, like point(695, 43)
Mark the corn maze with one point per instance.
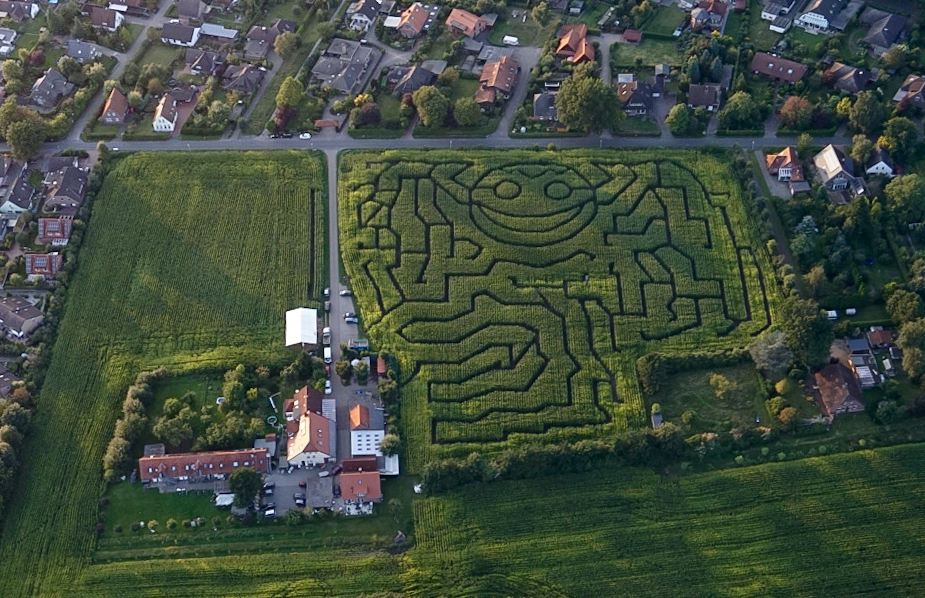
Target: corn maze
point(520, 287)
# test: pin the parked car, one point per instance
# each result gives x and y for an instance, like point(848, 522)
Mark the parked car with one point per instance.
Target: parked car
point(336, 491)
point(287, 135)
point(303, 484)
point(351, 321)
point(350, 314)
point(327, 371)
point(269, 513)
point(327, 306)
point(268, 491)
point(299, 499)
point(327, 292)
point(269, 506)
point(305, 136)
point(338, 469)
point(323, 474)
point(346, 293)
point(328, 389)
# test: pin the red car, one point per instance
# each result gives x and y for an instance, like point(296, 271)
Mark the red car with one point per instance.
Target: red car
point(327, 371)
point(303, 484)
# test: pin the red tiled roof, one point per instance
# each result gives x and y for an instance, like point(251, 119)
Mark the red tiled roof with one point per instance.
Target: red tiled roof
point(202, 464)
point(116, 104)
point(359, 464)
point(365, 486)
point(465, 22)
point(53, 229)
point(500, 75)
point(839, 390)
point(314, 436)
point(43, 264)
point(359, 417)
point(787, 157)
point(631, 36)
point(414, 17)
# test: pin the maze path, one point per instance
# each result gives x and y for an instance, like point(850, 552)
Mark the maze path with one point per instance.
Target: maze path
point(516, 289)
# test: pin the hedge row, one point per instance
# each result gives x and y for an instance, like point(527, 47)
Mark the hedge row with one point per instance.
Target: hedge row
point(653, 368)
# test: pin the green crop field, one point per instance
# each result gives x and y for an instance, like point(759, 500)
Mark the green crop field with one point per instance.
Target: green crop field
point(843, 526)
point(190, 261)
point(518, 288)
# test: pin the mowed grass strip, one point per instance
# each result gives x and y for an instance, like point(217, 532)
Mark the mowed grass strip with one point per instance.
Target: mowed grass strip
point(190, 261)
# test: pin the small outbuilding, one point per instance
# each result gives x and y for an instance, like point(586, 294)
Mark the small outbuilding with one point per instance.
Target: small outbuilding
point(301, 327)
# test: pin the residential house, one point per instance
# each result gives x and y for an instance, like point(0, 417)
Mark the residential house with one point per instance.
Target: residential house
point(260, 39)
point(219, 32)
point(820, 15)
point(708, 14)
point(544, 107)
point(412, 21)
point(858, 346)
point(190, 10)
point(166, 114)
point(772, 10)
point(106, 18)
point(184, 94)
point(839, 390)
point(7, 41)
point(50, 88)
point(777, 68)
point(367, 429)
point(361, 487)
point(303, 400)
point(574, 45)
point(636, 97)
point(878, 338)
point(178, 34)
point(345, 65)
point(463, 23)
point(498, 79)
point(787, 167)
point(201, 467)
point(911, 92)
point(18, 317)
point(203, 62)
point(885, 29)
point(244, 78)
point(18, 12)
point(16, 192)
point(7, 380)
point(55, 231)
point(412, 79)
point(847, 78)
point(314, 443)
point(576, 7)
point(81, 51)
point(880, 164)
point(67, 190)
point(365, 15)
point(115, 109)
point(704, 96)
point(43, 266)
point(835, 170)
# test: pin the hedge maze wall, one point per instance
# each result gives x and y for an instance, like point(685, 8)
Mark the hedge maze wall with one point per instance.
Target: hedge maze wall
point(520, 287)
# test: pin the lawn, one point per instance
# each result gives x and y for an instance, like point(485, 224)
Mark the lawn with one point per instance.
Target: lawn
point(564, 270)
point(464, 88)
point(197, 285)
point(529, 32)
point(841, 526)
point(759, 31)
point(159, 53)
point(638, 126)
point(131, 503)
point(692, 392)
point(651, 51)
point(665, 20)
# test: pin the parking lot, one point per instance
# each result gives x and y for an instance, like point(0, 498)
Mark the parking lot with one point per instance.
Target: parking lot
point(318, 491)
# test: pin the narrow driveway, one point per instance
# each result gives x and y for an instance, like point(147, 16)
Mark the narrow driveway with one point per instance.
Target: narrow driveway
point(527, 58)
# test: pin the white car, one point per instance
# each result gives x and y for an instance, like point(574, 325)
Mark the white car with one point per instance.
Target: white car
point(351, 321)
point(305, 136)
point(328, 389)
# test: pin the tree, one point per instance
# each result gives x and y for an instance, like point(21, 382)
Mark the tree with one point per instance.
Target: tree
point(431, 105)
point(867, 113)
point(912, 341)
point(246, 483)
point(344, 370)
point(861, 147)
point(17, 416)
point(725, 389)
point(174, 430)
point(390, 445)
point(326, 30)
point(796, 112)
point(808, 330)
point(362, 372)
point(286, 44)
point(679, 119)
point(716, 70)
point(896, 57)
point(365, 115)
point(817, 281)
point(449, 77)
point(899, 136)
point(290, 93)
point(467, 112)
point(787, 416)
point(887, 412)
point(540, 13)
point(693, 70)
point(12, 70)
point(905, 306)
point(96, 72)
point(117, 457)
point(134, 99)
point(586, 103)
point(906, 195)
point(804, 143)
point(26, 136)
point(69, 67)
point(740, 112)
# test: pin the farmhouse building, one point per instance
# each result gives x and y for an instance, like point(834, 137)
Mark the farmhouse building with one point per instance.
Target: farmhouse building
point(18, 317)
point(574, 45)
point(362, 486)
point(314, 442)
point(200, 467)
point(306, 399)
point(366, 431)
point(412, 21)
point(835, 170)
point(839, 390)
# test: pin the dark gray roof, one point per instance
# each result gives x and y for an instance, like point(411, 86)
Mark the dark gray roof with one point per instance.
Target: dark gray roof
point(178, 31)
point(68, 187)
point(885, 32)
point(6, 382)
point(245, 78)
point(703, 95)
point(827, 8)
point(82, 51)
point(544, 106)
point(369, 9)
point(415, 78)
point(15, 311)
point(21, 192)
point(51, 87)
point(203, 61)
point(879, 155)
point(189, 8)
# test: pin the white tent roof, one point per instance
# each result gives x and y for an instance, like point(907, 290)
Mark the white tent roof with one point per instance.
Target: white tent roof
point(301, 327)
point(224, 500)
point(392, 22)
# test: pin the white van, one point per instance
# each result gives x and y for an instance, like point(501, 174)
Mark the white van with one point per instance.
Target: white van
point(510, 40)
point(327, 355)
point(832, 315)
